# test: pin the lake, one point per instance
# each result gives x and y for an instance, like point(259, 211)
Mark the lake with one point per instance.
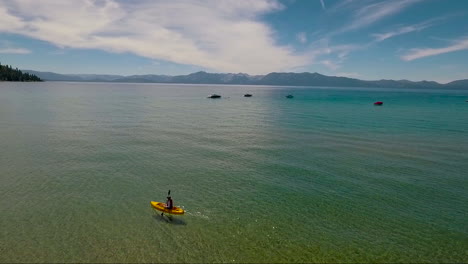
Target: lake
point(323, 177)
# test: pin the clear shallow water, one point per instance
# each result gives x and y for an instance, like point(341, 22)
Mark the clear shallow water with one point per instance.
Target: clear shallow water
point(323, 177)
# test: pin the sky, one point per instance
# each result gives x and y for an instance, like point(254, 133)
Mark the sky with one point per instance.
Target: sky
point(365, 39)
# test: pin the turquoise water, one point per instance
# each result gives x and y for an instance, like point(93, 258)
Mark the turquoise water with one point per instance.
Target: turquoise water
point(323, 177)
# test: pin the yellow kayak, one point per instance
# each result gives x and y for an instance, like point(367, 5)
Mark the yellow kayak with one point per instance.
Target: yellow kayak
point(162, 207)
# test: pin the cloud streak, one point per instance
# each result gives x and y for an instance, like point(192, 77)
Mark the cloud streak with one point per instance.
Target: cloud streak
point(14, 51)
point(323, 4)
point(218, 35)
point(400, 31)
point(414, 54)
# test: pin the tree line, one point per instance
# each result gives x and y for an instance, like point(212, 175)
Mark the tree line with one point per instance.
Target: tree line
point(7, 73)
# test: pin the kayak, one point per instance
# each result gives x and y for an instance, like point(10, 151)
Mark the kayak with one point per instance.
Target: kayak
point(162, 207)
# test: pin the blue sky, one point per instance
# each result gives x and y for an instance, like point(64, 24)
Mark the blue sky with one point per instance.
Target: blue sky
point(366, 39)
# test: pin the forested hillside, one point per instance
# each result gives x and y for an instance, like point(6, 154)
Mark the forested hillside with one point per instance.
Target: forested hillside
point(7, 73)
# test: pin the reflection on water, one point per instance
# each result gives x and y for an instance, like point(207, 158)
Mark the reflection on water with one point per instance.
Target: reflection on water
point(173, 220)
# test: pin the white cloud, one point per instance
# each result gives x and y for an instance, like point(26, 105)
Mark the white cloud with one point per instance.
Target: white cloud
point(220, 35)
point(14, 51)
point(414, 54)
point(8, 22)
point(302, 37)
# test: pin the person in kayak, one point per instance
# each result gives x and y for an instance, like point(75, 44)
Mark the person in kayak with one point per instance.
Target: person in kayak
point(169, 203)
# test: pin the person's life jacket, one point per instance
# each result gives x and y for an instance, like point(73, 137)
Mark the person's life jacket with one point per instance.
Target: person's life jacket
point(169, 203)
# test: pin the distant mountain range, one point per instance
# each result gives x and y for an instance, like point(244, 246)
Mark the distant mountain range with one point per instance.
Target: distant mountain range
point(274, 78)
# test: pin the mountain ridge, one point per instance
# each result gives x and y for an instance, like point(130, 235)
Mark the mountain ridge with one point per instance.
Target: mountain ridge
point(273, 78)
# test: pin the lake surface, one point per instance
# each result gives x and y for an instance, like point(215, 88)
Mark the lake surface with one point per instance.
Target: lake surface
point(323, 177)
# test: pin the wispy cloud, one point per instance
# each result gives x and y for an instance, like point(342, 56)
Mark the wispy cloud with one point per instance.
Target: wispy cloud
point(372, 13)
point(413, 54)
point(360, 14)
point(330, 64)
point(58, 52)
point(408, 29)
point(8, 47)
point(331, 56)
point(14, 51)
point(219, 35)
point(349, 74)
point(301, 37)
